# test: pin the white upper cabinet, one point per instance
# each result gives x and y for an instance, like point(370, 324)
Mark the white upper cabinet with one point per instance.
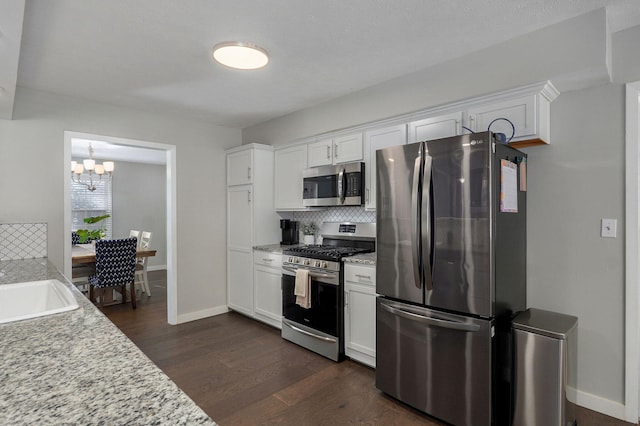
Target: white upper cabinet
point(320, 153)
point(289, 164)
point(347, 148)
point(440, 126)
point(340, 149)
point(373, 141)
point(521, 112)
point(239, 166)
point(527, 108)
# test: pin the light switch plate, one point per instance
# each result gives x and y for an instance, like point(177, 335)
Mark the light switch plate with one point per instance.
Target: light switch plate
point(609, 228)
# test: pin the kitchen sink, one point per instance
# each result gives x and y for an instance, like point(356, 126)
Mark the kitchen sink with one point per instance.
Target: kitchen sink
point(33, 299)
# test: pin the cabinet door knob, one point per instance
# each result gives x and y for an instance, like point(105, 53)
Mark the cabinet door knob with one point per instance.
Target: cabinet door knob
point(335, 150)
point(328, 151)
point(249, 172)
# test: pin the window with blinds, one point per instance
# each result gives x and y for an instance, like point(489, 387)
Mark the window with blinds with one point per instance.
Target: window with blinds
point(85, 203)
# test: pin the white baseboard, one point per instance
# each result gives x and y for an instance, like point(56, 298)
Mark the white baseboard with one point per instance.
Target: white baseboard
point(205, 313)
point(599, 404)
point(157, 268)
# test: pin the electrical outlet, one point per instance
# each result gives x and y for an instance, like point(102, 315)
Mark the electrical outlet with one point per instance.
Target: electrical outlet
point(608, 228)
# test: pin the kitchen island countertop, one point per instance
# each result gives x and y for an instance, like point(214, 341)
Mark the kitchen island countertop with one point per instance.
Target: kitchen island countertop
point(77, 367)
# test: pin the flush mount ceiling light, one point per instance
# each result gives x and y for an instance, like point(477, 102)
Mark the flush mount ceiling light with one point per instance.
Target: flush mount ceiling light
point(240, 55)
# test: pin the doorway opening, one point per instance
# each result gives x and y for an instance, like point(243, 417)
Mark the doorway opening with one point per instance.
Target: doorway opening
point(128, 150)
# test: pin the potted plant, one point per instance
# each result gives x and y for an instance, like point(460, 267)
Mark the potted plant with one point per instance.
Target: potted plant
point(309, 230)
point(88, 235)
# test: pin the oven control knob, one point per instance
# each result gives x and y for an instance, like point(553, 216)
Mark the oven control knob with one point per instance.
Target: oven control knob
point(316, 263)
point(290, 259)
point(323, 265)
point(307, 262)
point(296, 259)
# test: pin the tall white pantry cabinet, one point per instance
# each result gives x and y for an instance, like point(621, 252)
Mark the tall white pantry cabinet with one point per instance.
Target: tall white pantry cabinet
point(251, 218)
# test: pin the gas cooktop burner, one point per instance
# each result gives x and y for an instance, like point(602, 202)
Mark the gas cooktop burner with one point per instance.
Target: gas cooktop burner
point(325, 252)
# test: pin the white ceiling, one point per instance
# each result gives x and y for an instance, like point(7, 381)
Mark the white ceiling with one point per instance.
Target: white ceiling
point(156, 54)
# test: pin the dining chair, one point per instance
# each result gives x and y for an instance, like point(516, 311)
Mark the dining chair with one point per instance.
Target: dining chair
point(141, 263)
point(136, 234)
point(115, 267)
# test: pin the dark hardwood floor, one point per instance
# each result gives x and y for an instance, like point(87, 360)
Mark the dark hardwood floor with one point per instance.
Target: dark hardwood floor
point(241, 372)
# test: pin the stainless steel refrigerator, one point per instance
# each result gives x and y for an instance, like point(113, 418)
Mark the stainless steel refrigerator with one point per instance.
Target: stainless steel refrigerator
point(451, 273)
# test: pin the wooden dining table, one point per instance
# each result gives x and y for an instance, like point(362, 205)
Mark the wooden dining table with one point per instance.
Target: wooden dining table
point(83, 260)
point(86, 253)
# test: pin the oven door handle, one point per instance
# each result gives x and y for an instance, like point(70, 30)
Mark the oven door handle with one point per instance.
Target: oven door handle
point(299, 330)
point(311, 274)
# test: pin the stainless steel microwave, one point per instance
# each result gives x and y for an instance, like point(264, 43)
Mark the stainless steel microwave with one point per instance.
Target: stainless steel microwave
point(339, 185)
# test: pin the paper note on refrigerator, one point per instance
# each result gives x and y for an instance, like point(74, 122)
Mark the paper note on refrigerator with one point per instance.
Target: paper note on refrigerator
point(508, 187)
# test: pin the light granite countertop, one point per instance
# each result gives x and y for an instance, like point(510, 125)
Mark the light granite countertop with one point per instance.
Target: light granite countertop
point(77, 367)
point(362, 259)
point(275, 248)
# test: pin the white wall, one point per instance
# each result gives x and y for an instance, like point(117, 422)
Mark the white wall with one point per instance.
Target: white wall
point(573, 183)
point(139, 202)
point(32, 172)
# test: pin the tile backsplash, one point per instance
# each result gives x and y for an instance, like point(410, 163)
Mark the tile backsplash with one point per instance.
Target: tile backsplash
point(23, 241)
point(336, 214)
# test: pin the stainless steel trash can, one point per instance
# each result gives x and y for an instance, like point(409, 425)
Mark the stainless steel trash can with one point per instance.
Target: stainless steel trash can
point(545, 367)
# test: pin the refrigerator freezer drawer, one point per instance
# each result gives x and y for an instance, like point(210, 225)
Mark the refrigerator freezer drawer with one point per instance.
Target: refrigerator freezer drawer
point(438, 363)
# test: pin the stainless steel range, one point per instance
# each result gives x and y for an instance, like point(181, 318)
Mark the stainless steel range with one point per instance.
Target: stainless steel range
point(320, 327)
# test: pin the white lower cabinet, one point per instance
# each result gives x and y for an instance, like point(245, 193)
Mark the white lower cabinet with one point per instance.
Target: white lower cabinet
point(360, 313)
point(267, 288)
point(240, 279)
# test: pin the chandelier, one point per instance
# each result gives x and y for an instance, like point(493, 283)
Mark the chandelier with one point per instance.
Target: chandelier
point(89, 165)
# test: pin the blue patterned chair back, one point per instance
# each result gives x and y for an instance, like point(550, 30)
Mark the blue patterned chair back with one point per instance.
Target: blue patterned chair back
point(75, 238)
point(115, 262)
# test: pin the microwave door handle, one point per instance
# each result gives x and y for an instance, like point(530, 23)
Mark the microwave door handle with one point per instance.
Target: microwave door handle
point(341, 189)
point(427, 230)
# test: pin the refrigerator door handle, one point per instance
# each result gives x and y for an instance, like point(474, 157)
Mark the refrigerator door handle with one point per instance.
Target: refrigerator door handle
point(430, 321)
point(426, 223)
point(415, 220)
